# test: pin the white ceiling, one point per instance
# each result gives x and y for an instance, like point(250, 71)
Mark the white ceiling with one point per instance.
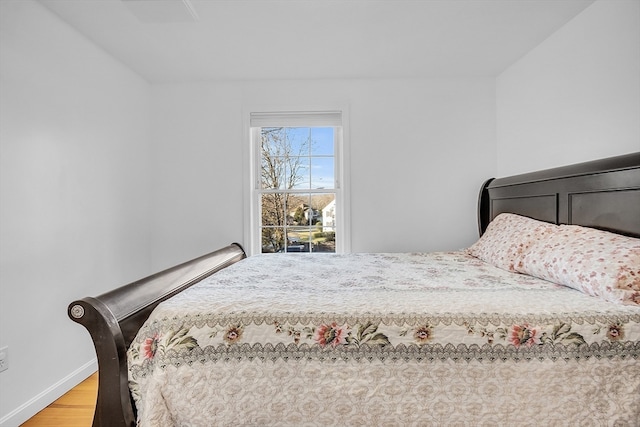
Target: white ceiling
point(316, 39)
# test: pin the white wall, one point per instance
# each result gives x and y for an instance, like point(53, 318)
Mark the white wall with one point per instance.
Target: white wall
point(419, 151)
point(576, 96)
point(74, 187)
point(197, 160)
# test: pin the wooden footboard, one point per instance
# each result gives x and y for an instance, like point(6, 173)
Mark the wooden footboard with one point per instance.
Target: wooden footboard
point(113, 319)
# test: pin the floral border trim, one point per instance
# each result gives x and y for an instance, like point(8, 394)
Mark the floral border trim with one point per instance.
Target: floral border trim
point(390, 319)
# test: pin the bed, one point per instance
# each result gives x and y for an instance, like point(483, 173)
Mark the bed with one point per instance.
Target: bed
point(537, 323)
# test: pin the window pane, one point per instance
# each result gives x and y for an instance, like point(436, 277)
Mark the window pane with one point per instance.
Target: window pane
point(272, 158)
point(298, 239)
point(325, 240)
point(272, 239)
point(273, 209)
point(322, 142)
point(298, 141)
point(299, 173)
point(322, 172)
point(273, 172)
point(324, 232)
point(271, 139)
point(297, 206)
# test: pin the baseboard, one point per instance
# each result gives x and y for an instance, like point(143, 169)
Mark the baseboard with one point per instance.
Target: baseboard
point(48, 396)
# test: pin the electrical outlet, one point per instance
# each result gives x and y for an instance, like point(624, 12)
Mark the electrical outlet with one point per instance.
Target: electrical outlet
point(4, 358)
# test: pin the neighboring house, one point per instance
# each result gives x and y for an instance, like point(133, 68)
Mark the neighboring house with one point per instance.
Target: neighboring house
point(311, 215)
point(329, 215)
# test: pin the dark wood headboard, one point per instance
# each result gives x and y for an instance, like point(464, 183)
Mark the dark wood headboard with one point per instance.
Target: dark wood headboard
point(602, 194)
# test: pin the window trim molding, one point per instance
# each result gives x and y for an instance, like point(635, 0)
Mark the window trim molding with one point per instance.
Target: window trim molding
point(251, 237)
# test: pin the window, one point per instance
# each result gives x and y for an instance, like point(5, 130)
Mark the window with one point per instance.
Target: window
point(297, 199)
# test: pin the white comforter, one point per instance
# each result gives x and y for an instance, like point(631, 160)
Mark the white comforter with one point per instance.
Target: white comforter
point(385, 339)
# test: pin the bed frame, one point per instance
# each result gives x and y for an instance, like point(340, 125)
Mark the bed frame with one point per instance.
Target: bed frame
point(603, 194)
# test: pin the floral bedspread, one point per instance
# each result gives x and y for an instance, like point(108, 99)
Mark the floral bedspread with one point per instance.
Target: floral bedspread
point(385, 339)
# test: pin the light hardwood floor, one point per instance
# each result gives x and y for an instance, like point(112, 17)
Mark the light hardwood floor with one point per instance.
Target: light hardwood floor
point(74, 409)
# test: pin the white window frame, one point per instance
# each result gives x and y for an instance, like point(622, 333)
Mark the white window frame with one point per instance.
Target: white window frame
point(253, 122)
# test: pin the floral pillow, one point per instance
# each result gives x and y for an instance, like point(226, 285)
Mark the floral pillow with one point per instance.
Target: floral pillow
point(595, 262)
point(508, 238)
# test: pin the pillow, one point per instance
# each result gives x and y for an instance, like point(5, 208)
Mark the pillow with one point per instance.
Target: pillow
point(507, 239)
point(595, 262)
